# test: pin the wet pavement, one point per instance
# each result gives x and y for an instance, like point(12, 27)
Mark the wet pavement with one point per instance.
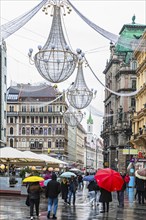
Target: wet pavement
point(13, 207)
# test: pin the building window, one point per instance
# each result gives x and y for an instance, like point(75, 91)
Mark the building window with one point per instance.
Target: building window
point(32, 109)
point(60, 108)
point(41, 131)
point(133, 64)
point(32, 144)
point(11, 143)
point(60, 131)
point(41, 109)
point(11, 108)
point(49, 144)
point(57, 144)
point(45, 120)
point(49, 108)
point(132, 102)
point(23, 130)
point(32, 119)
point(49, 120)
point(27, 119)
point(41, 120)
point(32, 131)
point(11, 120)
point(11, 130)
point(23, 108)
point(49, 131)
point(133, 84)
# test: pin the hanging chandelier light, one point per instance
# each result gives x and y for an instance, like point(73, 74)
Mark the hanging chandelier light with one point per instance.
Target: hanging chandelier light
point(55, 61)
point(79, 95)
point(72, 116)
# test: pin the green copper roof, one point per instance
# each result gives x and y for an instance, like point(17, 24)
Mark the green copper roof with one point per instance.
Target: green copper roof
point(90, 120)
point(128, 33)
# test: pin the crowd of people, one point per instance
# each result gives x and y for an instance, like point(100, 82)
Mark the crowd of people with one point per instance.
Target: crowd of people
point(68, 187)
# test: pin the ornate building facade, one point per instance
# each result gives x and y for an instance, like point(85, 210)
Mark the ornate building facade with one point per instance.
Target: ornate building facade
point(120, 76)
point(139, 118)
point(35, 121)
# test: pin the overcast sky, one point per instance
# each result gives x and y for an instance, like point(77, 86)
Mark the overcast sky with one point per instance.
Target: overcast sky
point(109, 15)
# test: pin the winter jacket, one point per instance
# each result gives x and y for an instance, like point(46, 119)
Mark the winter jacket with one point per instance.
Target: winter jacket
point(34, 191)
point(140, 184)
point(53, 189)
point(73, 185)
point(105, 196)
point(92, 186)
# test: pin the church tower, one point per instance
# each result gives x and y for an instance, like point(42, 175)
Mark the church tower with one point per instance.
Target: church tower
point(89, 128)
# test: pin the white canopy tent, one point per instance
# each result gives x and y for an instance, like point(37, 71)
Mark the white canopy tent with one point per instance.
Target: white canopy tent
point(11, 155)
point(46, 158)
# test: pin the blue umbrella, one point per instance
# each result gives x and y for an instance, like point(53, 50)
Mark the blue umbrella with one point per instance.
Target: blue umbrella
point(88, 178)
point(68, 174)
point(46, 182)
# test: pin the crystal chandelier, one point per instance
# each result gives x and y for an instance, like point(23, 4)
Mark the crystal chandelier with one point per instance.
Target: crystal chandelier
point(55, 61)
point(72, 116)
point(79, 96)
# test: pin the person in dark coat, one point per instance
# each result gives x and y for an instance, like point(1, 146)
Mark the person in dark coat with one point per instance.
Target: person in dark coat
point(53, 189)
point(72, 189)
point(140, 188)
point(92, 189)
point(120, 193)
point(34, 191)
point(64, 189)
point(105, 198)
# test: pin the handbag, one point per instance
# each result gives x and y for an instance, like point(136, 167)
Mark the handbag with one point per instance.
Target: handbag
point(27, 201)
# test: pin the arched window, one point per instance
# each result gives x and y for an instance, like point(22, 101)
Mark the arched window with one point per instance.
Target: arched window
point(11, 142)
point(32, 131)
point(23, 130)
point(36, 131)
point(41, 131)
point(11, 130)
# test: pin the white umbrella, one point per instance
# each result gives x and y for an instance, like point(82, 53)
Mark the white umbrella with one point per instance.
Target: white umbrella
point(75, 170)
point(68, 174)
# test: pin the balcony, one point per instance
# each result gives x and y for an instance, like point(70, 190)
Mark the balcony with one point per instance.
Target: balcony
point(12, 114)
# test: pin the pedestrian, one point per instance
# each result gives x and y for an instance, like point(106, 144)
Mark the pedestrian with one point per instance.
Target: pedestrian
point(34, 191)
point(73, 185)
point(140, 188)
point(80, 182)
point(92, 192)
point(53, 189)
point(105, 198)
point(64, 189)
point(120, 193)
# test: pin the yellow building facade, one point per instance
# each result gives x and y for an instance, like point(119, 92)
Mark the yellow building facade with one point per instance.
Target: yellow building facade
point(139, 118)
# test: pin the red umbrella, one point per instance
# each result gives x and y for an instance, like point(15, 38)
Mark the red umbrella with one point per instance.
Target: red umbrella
point(109, 179)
